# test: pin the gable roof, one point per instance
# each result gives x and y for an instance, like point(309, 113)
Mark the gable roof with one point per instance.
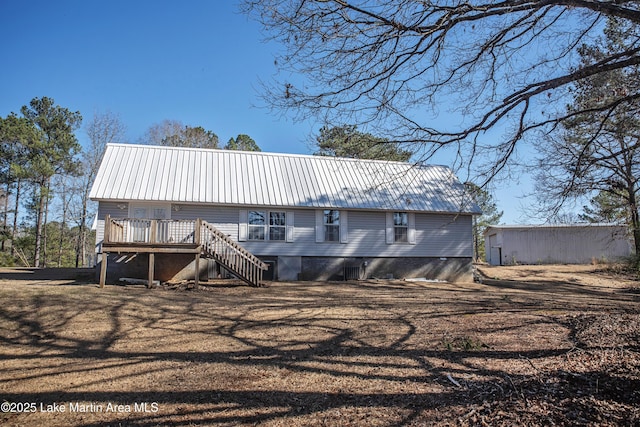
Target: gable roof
point(190, 175)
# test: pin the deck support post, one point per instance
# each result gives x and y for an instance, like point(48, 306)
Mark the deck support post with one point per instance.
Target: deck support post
point(152, 266)
point(197, 230)
point(196, 278)
point(103, 268)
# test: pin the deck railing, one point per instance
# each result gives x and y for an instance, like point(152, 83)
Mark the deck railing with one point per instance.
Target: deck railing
point(150, 231)
point(215, 244)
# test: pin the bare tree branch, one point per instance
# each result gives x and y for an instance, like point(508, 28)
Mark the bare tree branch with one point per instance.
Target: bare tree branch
point(402, 68)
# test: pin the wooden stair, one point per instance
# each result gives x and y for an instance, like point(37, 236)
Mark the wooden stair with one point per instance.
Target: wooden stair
point(232, 256)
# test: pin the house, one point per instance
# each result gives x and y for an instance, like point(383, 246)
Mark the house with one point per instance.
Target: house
point(302, 217)
point(555, 244)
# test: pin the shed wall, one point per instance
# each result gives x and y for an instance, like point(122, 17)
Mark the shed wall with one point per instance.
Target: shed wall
point(565, 245)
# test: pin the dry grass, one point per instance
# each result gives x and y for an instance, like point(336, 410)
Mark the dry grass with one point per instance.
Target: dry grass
point(536, 346)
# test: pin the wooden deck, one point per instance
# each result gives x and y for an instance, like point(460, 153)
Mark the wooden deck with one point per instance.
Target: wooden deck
point(197, 237)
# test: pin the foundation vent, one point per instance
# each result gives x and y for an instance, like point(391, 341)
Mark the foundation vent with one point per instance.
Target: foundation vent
point(352, 273)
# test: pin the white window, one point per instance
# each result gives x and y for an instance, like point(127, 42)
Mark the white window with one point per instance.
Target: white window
point(257, 223)
point(277, 226)
point(331, 222)
point(267, 225)
point(149, 211)
point(400, 227)
point(331, 226)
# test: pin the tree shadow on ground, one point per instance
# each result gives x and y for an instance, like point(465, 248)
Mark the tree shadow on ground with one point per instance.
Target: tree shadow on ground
point(286, 355)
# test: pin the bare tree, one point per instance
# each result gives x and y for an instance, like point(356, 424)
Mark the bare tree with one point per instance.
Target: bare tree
point(597, 150)
point(65, 193)
point(393, 64)
point(158, 133)
point(103, 128)
point(173, 133)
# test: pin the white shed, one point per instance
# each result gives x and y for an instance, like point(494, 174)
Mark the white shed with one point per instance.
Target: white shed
point(555, 244)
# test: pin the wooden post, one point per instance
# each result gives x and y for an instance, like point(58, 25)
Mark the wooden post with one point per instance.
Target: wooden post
point(152, 266)
point(107, 229)
point(105, 239)
point(197, 231)
point(196, 239)
point(196, 279)
point(103, 268)
point(153, 232)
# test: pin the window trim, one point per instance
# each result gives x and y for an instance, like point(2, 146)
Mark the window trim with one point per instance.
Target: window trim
point(244, 227)
point(330, 214)
point(262, 226)
point(399, 227)
point(390, 229)
point(271, 227)
point(343, 228)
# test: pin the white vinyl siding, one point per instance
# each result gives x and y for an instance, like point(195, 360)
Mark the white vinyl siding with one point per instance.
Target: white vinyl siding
point(223, 218)
point(113, 209)
point(435, 235)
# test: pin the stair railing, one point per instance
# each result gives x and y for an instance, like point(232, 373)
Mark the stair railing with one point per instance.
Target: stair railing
point(231, 255)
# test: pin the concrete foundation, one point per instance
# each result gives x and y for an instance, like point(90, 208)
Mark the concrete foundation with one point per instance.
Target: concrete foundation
point(289, 268)
point(449, 269)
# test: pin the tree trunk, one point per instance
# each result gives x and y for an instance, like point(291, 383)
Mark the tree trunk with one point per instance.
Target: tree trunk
point(46, 220)
point(15, 215)
point(4, 219)
point(635, 220)
point(79, 246)
point(39, 226)
point(63, 226)
point(82, 229)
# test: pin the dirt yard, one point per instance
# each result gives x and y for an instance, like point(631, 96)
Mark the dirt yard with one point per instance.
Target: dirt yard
point(529, 346)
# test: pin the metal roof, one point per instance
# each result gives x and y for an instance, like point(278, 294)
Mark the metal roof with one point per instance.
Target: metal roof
point(190, 175)
point(529, 227)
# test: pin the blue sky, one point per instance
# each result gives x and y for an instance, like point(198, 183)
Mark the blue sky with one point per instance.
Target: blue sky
point(196, 61)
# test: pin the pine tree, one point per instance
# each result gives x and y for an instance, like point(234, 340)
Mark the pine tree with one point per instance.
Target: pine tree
point(490, 216)
point(598, 148)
